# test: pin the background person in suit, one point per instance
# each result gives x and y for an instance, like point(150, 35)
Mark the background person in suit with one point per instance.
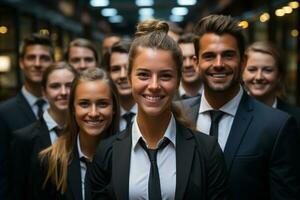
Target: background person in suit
point(260, 144)
point(264, 77)
point(116, 63)
point(189, 165)
point(60, 171)
point(56, 83)
point(36, 54)
point(190, 84)
point(82, 54)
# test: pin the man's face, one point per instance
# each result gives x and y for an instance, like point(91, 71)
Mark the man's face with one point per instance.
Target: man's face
point(37, 58)
point(82, 58)
point(189, 70)
point(219, 63)
point(108, 42)
point(118, 72)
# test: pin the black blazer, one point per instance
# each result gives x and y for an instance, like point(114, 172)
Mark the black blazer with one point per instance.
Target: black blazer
point(38, 175)
point(200, 167)
point(292, 110)
point(261, 153)
point(15, 113)
point(22, 153)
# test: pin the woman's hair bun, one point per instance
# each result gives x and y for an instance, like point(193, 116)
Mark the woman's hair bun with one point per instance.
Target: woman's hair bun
point(151, 25)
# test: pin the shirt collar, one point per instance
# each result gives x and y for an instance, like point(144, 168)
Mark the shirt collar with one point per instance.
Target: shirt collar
point(80, 153)
point(51, 124)
point(31, 99)
point(170, 133)
point(275, 103)
point(132, 110)
point(229, 108)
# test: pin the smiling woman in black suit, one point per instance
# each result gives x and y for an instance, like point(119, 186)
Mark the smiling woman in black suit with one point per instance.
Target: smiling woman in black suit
point(60, 171)
point(184, 164)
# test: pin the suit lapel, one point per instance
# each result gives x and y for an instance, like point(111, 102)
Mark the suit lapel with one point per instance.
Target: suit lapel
point(239, 128)
point(74, 176)
point(45, 140)
point(120, 173)
point(25, 107)
point(184, 146)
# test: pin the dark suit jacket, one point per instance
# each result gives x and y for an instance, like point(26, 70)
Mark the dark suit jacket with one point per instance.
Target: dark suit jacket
point(292, 110)
point(261, 153)
point(200, 168)
point(38, 175)
point(15, 113)
point(22, 152)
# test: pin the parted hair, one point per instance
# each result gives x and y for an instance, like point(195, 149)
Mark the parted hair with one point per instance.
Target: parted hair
point(267, 47)
point(153, 34)
point(57, 157)
point(219, 24)
point(81, 42)
point(53, 67)
point(186, 38)
point(36, 39)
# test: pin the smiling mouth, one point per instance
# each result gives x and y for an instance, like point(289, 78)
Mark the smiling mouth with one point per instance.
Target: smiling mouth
point(94, 122)
point(153, 98)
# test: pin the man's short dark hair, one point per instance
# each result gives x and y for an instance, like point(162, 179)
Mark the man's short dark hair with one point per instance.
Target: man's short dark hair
point(219, 24)
point(186, 38)
point(36, 39)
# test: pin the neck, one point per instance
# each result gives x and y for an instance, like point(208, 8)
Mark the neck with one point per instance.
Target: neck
point(153, 128)
point(218, 99)
point(58, 116)
point(127, 102)
point(88, 145)
point(192, 89)
point(34, 89)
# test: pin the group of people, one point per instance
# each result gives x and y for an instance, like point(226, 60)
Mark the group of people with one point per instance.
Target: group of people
point(157, 118)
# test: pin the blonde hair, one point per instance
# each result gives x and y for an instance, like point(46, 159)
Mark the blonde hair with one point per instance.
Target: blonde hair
point(58, 156)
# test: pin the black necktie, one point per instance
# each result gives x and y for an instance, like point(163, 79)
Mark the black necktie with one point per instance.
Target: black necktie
point(88, 164)
point(215, 116)
point(128, 118)
point(154, 191)
point(58, 130)
point(40, 104)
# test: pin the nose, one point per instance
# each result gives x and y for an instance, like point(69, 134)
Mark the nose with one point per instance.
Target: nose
point(82, 64)
point(187, 62)
point(218, 61)
point(258, 75)
point(154, 84)
point(123, 71)
point(93, 111)
point(37, 61)
point(63, 90)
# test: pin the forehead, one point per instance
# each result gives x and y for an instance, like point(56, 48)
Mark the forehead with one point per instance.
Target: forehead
point(214, 42)
point(37, 49)
point(80, 51)
point(92, 90)
point(64, 74)
point(187, 47)
point(260, 58)
point(154, 59)
point(118, 56)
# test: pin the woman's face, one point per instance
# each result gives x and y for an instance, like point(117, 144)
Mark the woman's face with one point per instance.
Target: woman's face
point(154, 81)
point(58, 89)
point(93, 107)
point(261, 76)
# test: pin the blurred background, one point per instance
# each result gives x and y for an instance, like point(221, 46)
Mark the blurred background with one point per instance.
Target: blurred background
point(64, 20)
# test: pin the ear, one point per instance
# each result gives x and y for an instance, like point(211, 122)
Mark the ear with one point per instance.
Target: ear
point(21, 64)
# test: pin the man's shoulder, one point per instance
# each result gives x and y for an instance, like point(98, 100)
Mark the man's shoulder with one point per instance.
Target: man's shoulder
point(10, 104)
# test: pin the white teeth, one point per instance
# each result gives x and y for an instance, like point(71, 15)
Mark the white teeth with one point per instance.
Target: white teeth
point(219, 75)
point(93, 122)
point(153, 98)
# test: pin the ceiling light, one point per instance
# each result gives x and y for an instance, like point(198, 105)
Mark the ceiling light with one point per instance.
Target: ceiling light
point(146, 11)
point(3, 29)
point(99, 3)
point(244, 24)
point(141, 3)
point(108, 12)
point(294, 33)
point(294, 4)
point(115, 19)
point(180, 11)
point(5, 63)
point(287, 9)
point(176, 18)
point(264, 17)
point(186, 2)
point(279, 12)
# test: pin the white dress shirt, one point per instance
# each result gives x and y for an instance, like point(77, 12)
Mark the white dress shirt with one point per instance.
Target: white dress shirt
point(31, 99)
point(51, 124)
point(123, 122)
point(83, 167)
point(140, 165)
point(230, 108)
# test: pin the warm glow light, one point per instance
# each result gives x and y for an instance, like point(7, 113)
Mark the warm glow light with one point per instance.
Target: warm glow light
point(44, 31)
point(294, 4)
point(294, 33)
point(244, 24)
point(4, 63)
point(3, 29)
point(287, 9)
point(279, 12)
point(264, 17)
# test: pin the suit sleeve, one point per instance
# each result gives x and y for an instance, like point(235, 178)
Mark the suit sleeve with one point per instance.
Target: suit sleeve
point(100, 173)
point(285, 163)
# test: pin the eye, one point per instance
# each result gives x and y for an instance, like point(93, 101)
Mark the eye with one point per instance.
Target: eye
point(45, 58)
point(30, 57)
point(83, 104)
point(69, 85)
point(143, 75)
point(103, 103)
point(54, 85)
point(89, 59)
point(268, 70)
point(251, 69)
point(166, 76)
point(75, 60)
point(229, 54)
point(115, 68)
point(208, 56)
